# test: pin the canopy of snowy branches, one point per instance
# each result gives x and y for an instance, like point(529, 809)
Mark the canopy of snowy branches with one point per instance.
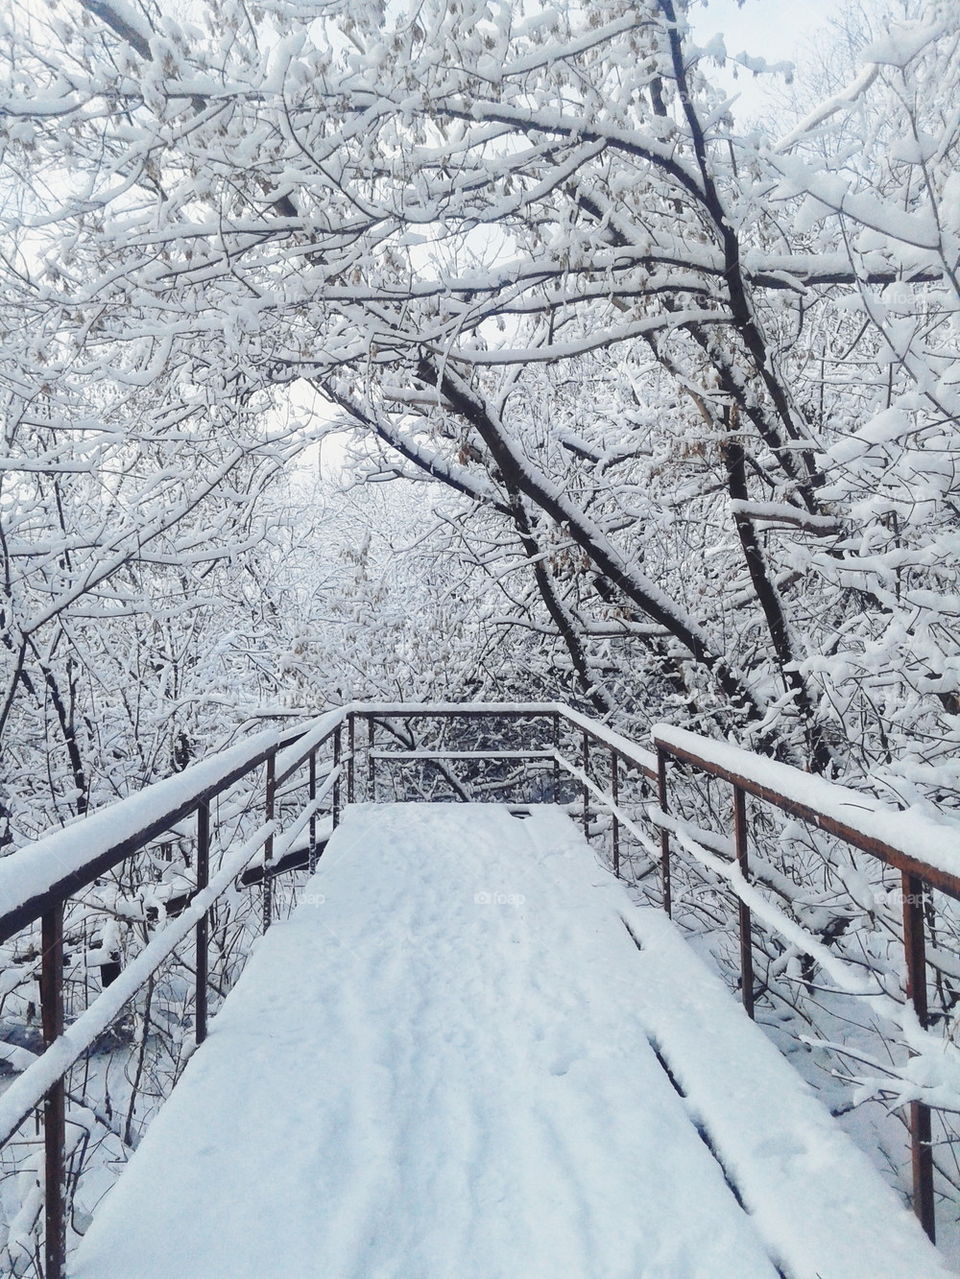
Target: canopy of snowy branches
point(667, 404)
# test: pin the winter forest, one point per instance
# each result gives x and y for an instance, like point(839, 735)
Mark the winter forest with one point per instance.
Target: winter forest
point(465, 350)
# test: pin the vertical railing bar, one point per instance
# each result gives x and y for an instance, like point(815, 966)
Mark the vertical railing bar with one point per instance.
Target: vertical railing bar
point(371, 794)
point(351, 750)
point(54, 1110)
point(615, 795)
point(203, 923)
point(556, 762)
point(269, 814)
point(585, 757)
point(743, 861)
point(662, 800)
point(311, 798)
point(337, 753)
point(921, 1135)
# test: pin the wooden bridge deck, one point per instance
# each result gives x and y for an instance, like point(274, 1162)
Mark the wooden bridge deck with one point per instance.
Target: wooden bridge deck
point(469, 1054)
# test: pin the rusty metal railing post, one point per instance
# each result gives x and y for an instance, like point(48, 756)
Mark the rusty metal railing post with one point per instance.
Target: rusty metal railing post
point(921, 1135)
point(615, 795)
point(351, 751)
point(743, 861)
point(312, 796)
point(585, 757)
point(54, 1110)
point(664, 833)
point(337, 753)
point(270, 812)
point(203, 923)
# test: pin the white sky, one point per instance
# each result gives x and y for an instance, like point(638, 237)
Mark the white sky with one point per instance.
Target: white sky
point(777, 30)
point(770, 29)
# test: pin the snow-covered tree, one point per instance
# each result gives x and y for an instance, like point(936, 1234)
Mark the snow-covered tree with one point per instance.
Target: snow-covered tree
point(646, 409)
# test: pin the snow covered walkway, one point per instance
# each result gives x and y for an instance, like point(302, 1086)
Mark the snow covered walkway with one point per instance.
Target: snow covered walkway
point(441, 1068)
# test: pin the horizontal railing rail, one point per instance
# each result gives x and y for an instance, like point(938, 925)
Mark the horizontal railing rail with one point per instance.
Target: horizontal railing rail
point(853, 817)
point(59, 865)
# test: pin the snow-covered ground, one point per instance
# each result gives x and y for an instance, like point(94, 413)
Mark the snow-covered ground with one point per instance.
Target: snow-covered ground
point(441, 1066)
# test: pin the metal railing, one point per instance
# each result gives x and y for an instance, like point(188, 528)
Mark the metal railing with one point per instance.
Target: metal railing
point(786, 789)
point(592, 740)
point(596, 762)
point(37, 882)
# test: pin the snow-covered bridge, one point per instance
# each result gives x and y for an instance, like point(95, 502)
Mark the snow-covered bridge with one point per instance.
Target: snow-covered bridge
point(468, 1051)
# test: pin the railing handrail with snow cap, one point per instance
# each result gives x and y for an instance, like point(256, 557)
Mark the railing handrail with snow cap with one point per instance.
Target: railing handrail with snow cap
point(64, 861)
point(891, 834)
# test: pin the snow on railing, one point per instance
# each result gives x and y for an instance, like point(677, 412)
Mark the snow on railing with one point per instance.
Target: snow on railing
point(887, 833)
